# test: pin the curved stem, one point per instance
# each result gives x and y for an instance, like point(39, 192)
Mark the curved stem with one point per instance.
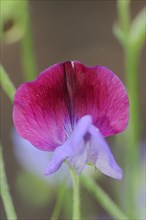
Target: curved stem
point(5, 194)
point(124, 15)
point(76, 195)
point(131, 56)
point(7, 84)
point(133, 132)
point(104, 200)
point(59, 203)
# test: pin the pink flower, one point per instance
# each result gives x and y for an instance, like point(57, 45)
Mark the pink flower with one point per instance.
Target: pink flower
point(69, 109)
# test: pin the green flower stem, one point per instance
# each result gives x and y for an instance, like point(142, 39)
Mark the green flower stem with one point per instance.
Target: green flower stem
point(5, 194)
point(124, 15)
point(103, 199)
point(133, 132)
point(58, 206)
point(76, 196)
point(28, 56)
point(6, 84)
point(131, 55)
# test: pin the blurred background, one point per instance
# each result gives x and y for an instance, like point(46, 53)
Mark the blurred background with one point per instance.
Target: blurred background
point(63, 30)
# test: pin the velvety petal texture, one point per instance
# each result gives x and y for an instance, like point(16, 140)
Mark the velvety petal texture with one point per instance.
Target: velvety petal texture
point(40, 110)
point(101, 94)
point(47, 110)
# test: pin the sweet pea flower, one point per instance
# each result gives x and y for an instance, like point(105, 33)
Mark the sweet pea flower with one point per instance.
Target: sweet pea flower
point(69, 109)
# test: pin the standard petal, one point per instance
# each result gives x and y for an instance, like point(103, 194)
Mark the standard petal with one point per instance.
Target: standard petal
point(41, 108)
point(47, 109)
point(101, 155)
point(101, 94)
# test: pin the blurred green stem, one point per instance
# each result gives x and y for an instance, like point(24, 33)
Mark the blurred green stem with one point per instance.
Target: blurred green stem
point(124, 15)
point(7, 84)
point(133, 132)
point(58, 206)
point(9, 88)
point(28, 57)
point(76, 195)
point(5, 194)
point(131, 55)
point(103, 199)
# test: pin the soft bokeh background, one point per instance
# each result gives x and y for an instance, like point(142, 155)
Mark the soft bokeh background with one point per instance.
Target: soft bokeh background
point(65, 30)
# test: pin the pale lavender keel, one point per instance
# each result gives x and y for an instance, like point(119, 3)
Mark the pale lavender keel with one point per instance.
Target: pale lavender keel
point(86, 144)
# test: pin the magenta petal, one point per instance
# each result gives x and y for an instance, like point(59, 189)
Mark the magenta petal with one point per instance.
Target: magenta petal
point(46, 110)
point(101, 94)
point(40, 108)
point(101, 155)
